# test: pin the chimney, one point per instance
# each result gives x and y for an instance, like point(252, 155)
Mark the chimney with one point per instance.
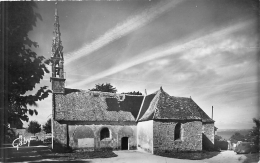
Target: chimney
point(212, 113)
point(145, 92)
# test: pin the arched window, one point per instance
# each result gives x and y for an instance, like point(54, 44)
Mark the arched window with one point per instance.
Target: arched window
point(177, 131)
point(104, 133)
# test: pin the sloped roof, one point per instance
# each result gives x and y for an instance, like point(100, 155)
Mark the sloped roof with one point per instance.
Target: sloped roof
point(80, 105)
point(145, 104)
point(194, 108)
point(164, 106)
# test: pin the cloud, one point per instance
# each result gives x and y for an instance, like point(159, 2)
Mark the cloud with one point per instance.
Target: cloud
point(173, 48)
point(159, 63)
point(121, 30)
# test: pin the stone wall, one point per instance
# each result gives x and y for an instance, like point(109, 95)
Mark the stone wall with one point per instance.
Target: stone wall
point(208, 135)
point(87, 137)
point(191, 137)
point(82, 137)
point(58, 85)
point(59, 136)
point(145, 135)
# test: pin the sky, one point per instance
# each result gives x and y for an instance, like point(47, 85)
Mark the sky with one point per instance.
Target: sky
point(203, 49)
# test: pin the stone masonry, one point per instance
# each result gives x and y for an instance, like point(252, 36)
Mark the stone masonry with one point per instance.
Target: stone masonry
point(208, 135)
point(191, 137)
point(87, 137)
point(59, 136)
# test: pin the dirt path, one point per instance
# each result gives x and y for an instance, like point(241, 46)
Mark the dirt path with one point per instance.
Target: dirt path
point(43, 154)
point(140, 157)
point(226, 156)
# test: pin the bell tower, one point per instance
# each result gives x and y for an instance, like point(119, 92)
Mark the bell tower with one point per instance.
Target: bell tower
point(57, 60)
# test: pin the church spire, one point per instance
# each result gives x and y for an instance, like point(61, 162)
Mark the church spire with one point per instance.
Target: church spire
point(56, 43)
point(57, 79)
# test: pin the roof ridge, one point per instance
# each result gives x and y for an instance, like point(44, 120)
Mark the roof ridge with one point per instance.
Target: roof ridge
point(153, 107)
point(131, 95)
point(111, 93)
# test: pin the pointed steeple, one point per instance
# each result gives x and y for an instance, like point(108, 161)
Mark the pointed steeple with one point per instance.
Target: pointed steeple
point(58, 79)
point(56, 42)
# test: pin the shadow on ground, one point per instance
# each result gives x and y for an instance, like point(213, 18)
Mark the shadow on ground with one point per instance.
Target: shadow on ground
point(44, 154)
point(190, 155)
point(251, 157)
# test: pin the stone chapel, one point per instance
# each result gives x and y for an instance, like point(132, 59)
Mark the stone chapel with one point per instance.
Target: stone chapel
point(91, 120)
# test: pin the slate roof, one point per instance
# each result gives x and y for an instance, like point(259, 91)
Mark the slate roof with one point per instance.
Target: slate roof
point(145, 104)
point(80, 105)
point(161, 105)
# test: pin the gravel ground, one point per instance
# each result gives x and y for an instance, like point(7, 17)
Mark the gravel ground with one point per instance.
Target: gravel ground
point(137, 156)
point(44, 154)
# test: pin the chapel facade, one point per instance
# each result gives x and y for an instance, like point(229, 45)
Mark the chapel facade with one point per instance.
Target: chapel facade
point(92, 120)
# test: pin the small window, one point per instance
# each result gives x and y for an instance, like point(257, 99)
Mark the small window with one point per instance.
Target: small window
point(104, 133)
point(177, 131)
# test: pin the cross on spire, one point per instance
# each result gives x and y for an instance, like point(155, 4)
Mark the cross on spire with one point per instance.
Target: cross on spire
point(56, 8)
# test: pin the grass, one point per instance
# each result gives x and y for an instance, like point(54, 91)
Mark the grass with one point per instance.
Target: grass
point(85, 155)
point(251, 158)
point(40, 153)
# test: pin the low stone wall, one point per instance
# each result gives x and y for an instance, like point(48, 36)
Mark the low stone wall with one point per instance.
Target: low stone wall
point(221, 144)
point(191, 137)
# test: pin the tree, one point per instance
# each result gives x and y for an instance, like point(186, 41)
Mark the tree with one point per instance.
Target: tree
point(10, 134)
point(217, 138)
point(253, 135)
point(104, 88)
point(25, 68)
point(47, 126)
point(34, 127)
point(237, 137)
point(133, 93)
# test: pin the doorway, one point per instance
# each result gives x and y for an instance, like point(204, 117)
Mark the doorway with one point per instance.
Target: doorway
point(124, 143)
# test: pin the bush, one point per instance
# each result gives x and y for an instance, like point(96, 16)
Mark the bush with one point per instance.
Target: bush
point(106, 149)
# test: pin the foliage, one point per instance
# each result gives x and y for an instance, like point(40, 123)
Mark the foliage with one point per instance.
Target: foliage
point(34, 127)
point(25, 68)
point(9, 135)
point(104, 88)
point(189, 155)
point(220, 143)
point(217, 138)
point(237, 137)
point(47, 126)
point(133, 93)
point(253, 135)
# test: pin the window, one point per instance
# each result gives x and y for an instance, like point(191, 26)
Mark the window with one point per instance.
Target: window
point(104, 133)
point(177, 131)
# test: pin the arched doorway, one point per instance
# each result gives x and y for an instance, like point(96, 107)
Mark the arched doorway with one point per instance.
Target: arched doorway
point(124, 143)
